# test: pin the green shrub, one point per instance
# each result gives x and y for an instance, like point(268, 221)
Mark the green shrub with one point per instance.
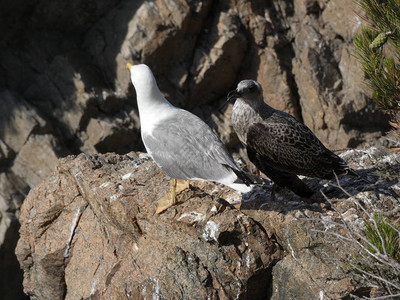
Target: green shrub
point(378, 49)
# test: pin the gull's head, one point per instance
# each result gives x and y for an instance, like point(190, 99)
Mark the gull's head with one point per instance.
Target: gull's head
point(141, 76)
point(248, 90)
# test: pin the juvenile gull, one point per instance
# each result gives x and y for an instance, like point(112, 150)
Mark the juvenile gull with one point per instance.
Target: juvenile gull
point(181, 144)
point(279, 145)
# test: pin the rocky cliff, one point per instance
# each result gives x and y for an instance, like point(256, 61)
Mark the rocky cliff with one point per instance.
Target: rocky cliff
point(90, 231)
point(64, 88)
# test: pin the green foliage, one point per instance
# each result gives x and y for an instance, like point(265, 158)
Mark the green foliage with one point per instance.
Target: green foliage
point(383, 70)
point(383, 14)
point(384, 236)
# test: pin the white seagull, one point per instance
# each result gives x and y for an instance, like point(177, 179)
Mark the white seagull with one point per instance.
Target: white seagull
point(181, 144)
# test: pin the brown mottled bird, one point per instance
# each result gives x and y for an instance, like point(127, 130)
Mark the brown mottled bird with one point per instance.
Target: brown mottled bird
point(279, 145)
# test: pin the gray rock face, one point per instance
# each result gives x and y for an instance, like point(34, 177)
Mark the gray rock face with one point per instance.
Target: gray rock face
point(65, 88)
point(298, 51)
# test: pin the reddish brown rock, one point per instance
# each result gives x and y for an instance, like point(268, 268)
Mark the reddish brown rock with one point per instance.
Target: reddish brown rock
point(91, 230)
point(96, 233)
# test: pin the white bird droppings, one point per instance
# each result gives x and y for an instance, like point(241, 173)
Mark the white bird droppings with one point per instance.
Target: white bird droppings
point(210, 231)
point(126, 176)
point(105, 184)
point(192, 217)
point(113, 197)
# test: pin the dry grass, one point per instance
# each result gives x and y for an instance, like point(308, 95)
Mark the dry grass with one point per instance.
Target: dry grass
point(375, 262)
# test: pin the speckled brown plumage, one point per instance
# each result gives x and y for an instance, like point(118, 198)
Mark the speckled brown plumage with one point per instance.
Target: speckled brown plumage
point(279, 145)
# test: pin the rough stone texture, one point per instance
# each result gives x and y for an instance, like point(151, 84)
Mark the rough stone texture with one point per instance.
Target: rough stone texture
point(98, 221)
point(299, 50)
point(19, 119)
point(332, 96)
point(64, 87)
point(36, 159)
point(12, 193)
point(91, 230)
point(221, 52)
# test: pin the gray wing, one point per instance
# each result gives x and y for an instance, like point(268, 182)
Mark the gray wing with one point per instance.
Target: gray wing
point(186, 148)
point(288, 145)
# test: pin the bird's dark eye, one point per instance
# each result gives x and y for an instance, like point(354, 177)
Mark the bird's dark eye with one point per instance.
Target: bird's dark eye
point(251, 88)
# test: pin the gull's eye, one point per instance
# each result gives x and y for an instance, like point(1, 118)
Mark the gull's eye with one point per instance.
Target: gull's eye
point(251, 88)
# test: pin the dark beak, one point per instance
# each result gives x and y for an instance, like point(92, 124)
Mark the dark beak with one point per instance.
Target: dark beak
point(232, 95)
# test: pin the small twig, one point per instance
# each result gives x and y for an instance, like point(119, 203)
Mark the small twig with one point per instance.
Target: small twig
point(382, 297)
point(377, 278)
point(342, 237)
point(370, 217)
point(360, 241)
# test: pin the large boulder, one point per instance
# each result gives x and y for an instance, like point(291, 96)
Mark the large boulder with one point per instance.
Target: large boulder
point(90, 230)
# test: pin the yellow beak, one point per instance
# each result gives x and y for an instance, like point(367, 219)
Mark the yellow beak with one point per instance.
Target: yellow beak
point(128, 65)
